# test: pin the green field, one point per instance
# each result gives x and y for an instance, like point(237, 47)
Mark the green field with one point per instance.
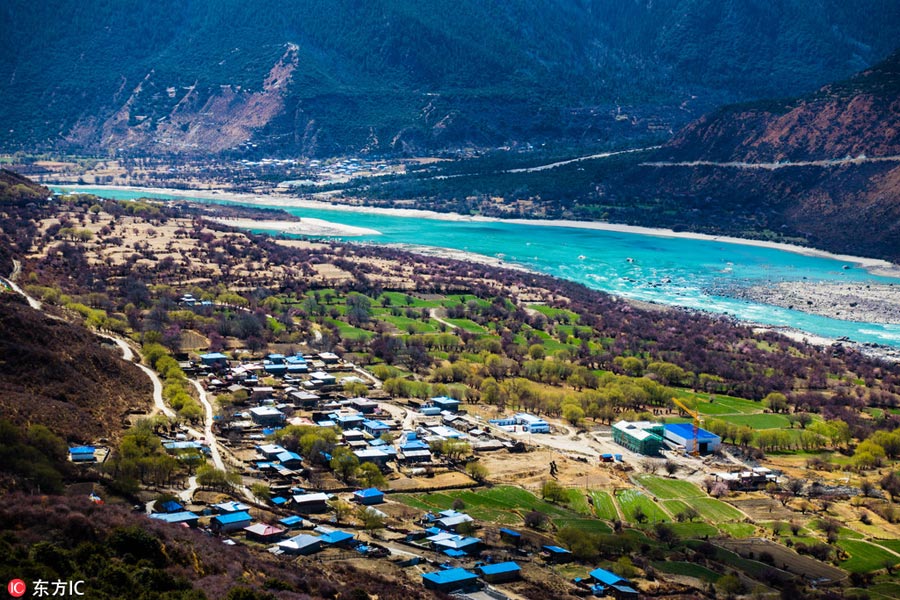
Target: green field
point(695, 530)
point(865, 557)
point(629, 500)
point(467, 325)
point(505, 505)
point(578, 501)
point(604, 507)
point(590, 525)
point(715, 511)
point(889, 544)
point(686, 568)
point(737, 530)
point(760, 421)
point(670, 488)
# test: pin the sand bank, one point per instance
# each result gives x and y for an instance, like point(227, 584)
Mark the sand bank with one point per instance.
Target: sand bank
point(305, 226)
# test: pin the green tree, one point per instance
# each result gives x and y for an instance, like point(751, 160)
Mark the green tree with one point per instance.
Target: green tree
point(369, 475)
point(344, 463)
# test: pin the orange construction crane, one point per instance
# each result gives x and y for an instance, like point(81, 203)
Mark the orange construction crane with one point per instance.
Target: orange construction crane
point(698, 420)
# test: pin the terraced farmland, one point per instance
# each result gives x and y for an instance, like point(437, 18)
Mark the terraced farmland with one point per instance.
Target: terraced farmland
point(630, 500)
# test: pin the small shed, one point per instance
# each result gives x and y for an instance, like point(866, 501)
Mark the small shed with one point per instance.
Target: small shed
point(500, 572)
point(449, 580)
point(557, 554)
point(231, 506)
point(510, 536)
point(368, 496)
point(82, 454)
point(292, 522)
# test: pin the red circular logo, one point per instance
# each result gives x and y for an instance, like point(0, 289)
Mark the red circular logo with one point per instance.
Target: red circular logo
point(16, 588)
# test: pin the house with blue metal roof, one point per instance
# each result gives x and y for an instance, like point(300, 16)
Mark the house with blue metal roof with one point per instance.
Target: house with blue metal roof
point(444, 542)
point(230, 522)
point(292, 522)
point(610, 584)
point(450, 580)
point(186, 517)
point(368, 496)
point(289, 459)
point(375, 428)
point(500, 572)
point(349, 421)
point(335, 537)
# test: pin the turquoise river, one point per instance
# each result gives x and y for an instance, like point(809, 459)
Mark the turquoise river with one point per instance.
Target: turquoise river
point(675, 271)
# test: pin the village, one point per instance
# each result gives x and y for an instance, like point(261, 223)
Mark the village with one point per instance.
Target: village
point(304, 505)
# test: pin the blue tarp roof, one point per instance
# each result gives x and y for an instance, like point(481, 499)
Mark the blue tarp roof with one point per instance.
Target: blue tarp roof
point(556, 550)
point(686, 430)
point(292, 520)
point(606, 577)
point(454, 553)
point(82, 450)
point(450, 576)
point(278, 500)
point(510, 532)
point(504, 567)
point(368, 493)
point(235, 517)
point(171, 506)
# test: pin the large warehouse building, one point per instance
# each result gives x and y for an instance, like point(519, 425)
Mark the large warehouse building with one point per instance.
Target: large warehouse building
point(649, 438)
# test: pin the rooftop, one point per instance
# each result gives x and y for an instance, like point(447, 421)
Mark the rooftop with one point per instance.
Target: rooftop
point(449, 576)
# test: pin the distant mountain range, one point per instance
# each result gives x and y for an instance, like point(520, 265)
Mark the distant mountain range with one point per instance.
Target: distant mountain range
point(324, 78)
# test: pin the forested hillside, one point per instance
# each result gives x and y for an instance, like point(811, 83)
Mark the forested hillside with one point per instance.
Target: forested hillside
point(326, 78)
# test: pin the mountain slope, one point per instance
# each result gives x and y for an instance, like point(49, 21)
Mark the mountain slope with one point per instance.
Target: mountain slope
point(322, 77)
point(859, 116)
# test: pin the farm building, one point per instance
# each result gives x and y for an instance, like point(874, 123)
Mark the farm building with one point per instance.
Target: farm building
point(454, 545)
point(557, 554)
point(611, 584)
point(449, 580)
point(335, 537)
point(368, 496)
point(214, 359)
point(754, 479)
point(510, 536)
point(231, 506)
point(372, 455)
point(266, 415)
point(349, 421)
point(532, 424)
point(169, 506)
point(682, 434)
point(302, 544)
point(445, 403)
point(642, 437)
point(311, 503)
point(186, 517)
point(292, 522)
point(500, 572)
point(264, 533)
point(375, 428)
point(329, 358)
point(363, 405)
point(230, 522)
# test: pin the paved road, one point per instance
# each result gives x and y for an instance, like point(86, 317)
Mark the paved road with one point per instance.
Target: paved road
point(774, 166)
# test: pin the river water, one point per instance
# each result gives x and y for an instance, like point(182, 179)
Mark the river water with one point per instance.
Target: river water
point(674, 271)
